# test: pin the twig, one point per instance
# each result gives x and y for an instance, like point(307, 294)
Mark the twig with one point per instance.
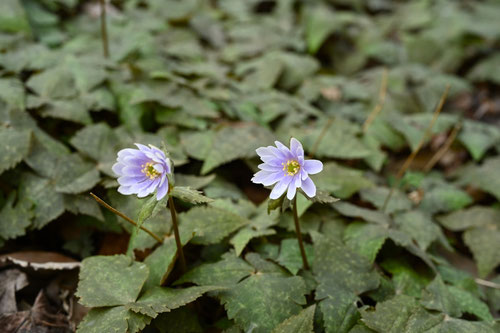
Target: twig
point(299, 234)
point(173, 213)
point(104, 30)
point(381, 100)
point(320, 137)
point(414, 153)
point(125, 217)
point(487, 283)
point(440, 153)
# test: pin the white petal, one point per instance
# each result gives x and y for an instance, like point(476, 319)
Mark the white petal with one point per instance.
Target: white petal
point(308, 187)
point(280, 188)
point(292, 190)
point(296, 147)
point(313, 166)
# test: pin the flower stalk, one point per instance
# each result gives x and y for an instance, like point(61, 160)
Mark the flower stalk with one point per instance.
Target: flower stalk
point(173, 213)
point(299, 234)
point(125, 217)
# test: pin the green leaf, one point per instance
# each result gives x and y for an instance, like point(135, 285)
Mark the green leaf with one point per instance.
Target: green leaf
point(365, 239)
point(264, 300)
point(15, 220)
point(300, 323)
point(110, 280)
point(454, 301)
point(15, 146)
point(478, 137)
point(476, 216)
point(408, 279)
point(116, 319)
point(290, 256)
point(470, 304)
point(228, 271)
point(97, 141)
point(320, 23)
point(12, 93)
point(48, 204)
point(191, 181)
point(377, 195)
point(13, 18)
point(339, 141)
point(484, 244)
point(145, 213)
point(420, 226)
point(158, 299)
point(484, 176)
point(233, 142)
point(342, 275)
point(486, 70)
point(244, 235)
point(337, 267)
point(162, 260)
point(187, 194)
point(210, 224)
point(437, 297)
point(197, 144)
point(400, 314)
point(444, 198)
point(348, 209)
point(321, 197)
point(181, 320)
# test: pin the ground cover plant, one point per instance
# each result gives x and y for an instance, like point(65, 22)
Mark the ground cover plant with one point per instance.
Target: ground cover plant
point(398, 100)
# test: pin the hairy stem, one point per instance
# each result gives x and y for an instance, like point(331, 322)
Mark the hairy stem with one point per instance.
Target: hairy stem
point(125, 217)
point(104, 30)
point(180, 252)
point(299, 234)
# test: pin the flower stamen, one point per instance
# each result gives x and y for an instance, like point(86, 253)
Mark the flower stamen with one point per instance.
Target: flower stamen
point(291, 167)
point(149, 170)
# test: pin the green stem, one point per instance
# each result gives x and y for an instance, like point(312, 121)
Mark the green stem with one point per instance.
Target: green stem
point(125, 217)
point(176, 233)
point(104, 30)
point(299, 234)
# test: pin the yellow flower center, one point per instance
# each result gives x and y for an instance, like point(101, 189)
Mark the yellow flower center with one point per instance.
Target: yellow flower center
point(291, 167)
point(149, 170)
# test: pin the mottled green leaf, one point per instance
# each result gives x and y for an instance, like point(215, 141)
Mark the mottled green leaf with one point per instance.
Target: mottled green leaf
point(115, 319)
point(478, 137)
point(15, 219)
point(158, 299)
point(15, 146)
point(290, 256)
point(228, 271)
point(210, 224)
point(484, 176)
point(365, 239)
point(342, 275)
point(187, 194)
point(476, 216)
point(110, 280)
point(233, 142)
point(162, 260)
point(48, 204)
point(299, 323)
point(419, 226)
point(485, 246)
point(377, 196)
point(263, 300)
point(348, 209)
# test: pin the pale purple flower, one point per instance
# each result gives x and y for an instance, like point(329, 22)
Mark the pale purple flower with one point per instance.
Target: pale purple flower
point(287, 168)
point(142, 171)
